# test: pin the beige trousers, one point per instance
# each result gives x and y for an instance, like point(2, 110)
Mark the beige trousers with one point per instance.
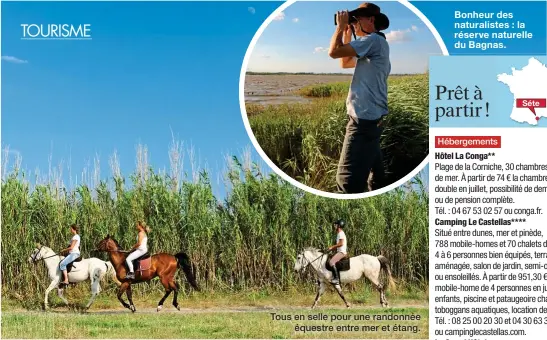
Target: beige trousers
point(337, 257)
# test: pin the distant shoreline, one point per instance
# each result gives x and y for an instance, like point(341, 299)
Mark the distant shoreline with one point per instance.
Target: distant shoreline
point(316, 74)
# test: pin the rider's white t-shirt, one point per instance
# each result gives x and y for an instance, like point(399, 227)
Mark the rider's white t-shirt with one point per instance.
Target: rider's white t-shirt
point(76, 249)
point(144, 244)
point(344, 248)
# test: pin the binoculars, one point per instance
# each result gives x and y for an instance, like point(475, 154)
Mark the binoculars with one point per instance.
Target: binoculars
point(381, 20)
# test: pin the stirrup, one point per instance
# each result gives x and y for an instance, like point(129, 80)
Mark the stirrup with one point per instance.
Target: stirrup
point(130, 276)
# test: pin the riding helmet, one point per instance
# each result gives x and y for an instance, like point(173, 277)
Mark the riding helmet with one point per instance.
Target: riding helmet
point(341, 223)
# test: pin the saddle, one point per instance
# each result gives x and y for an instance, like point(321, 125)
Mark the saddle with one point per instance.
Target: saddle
point(142, 263)
point(342, 265)
point(69, 266)
point(68, 269)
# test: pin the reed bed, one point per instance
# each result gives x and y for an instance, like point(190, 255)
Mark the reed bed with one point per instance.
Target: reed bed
point(305, 140)
point(246, 241)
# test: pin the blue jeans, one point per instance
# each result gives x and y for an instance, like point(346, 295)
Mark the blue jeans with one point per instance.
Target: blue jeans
point(71, 257)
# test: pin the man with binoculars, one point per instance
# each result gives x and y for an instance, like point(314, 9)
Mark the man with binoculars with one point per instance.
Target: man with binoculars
point(367, 98)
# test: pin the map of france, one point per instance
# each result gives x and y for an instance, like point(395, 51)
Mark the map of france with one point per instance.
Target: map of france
point(529, 90)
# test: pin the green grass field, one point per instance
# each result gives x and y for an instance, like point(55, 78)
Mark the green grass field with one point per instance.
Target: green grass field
point(305, 139)
point(224, 315)
point(257, 325)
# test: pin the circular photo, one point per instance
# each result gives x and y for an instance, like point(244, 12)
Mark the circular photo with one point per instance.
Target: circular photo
point(336, 95)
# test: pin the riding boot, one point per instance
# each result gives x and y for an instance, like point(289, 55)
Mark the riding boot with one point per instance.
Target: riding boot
point(336, 274)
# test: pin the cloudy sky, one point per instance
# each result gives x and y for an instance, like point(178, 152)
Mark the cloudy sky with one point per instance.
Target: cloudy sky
point(297, 40)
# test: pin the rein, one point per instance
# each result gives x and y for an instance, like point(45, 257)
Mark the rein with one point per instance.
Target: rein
point(34, 260)
point(112, 251)
point(309, 263)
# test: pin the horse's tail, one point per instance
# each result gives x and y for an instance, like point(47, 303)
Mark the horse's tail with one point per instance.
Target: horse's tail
point(384, 263)
point(184, 262)
point(112, 272)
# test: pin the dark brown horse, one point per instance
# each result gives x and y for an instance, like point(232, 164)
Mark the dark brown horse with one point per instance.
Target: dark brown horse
point(162, 265)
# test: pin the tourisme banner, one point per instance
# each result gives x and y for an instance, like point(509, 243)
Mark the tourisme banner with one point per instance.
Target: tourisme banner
point(273, 169)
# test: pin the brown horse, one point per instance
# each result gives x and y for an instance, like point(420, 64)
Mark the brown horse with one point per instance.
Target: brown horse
point(162, 265)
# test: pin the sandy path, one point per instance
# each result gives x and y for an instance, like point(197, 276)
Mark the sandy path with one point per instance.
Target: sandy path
point(241, 309)
point(245, 309)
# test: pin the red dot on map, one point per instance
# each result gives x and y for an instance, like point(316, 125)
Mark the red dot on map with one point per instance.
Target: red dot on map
point(537, 118)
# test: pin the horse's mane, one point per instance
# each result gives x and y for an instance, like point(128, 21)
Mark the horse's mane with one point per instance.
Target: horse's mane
point(312, 249)
point(43, 247)
point(115, 242)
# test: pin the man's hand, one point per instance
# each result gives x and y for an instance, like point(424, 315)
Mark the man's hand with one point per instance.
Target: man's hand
point(342, 19)
point(347, 35)
point(337, 48)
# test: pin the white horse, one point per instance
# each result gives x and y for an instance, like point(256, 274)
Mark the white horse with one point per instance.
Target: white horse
point(362, 265)
point(93, 269)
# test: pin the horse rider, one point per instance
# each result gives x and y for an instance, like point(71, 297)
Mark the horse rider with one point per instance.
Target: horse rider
point(139, 249)
point(73, 252)
point(341, 247)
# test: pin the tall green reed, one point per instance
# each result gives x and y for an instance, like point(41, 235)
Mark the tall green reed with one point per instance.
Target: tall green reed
point(247, 241)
